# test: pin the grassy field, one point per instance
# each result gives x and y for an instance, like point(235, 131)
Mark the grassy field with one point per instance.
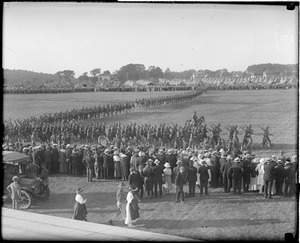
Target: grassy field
point(219, 216)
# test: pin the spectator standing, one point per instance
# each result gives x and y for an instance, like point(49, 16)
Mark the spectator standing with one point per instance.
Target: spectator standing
point(167, 178)
point(192, 178)
point(236, 173)
point(269, 169)
point(14, 190)
point(89, 162)
point(158, 177)
point(179, 182)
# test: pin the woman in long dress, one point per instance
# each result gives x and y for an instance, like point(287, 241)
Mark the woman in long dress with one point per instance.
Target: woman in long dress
point(167, 178)
point(132, 208)
point(80, 211)
point(260, 177)
point(117, 165)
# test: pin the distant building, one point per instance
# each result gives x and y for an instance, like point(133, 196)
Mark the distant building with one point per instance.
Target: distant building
point(104, 78)
point(84, 84)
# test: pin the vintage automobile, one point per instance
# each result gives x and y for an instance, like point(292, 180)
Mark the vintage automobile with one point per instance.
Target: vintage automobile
point(32, 187)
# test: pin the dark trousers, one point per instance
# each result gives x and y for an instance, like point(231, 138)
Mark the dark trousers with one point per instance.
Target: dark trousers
point(89, 173)
point(204, 184)
point(149, 186)
point(141, 191)
point(105, 172)
point(192, 188)
point(268, 188)
point(278, 186)
point(110, 172)
point(229, 184)
point(159, 185)
point(246, 183)
point(220, 180)
point(237, 185)
point(225, 182)
point(179, 193)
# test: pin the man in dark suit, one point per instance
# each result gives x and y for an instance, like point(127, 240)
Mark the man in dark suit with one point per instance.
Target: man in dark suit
point(158, 171)
point(269, 169)
point(192, 178)
point(134, 179)
point(179, 181)
point(203, 174)
point(148, 174)
point(141, 177)
point(236, 172)
point(246, 165)
point(279, 177)
point(227, 180)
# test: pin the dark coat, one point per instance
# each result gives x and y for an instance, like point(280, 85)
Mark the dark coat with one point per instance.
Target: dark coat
point(192, 173)
point(236, 171)
point(158, 171)
point(134, 178)
point(203, 172)
point(179, 180)
point(269, 169)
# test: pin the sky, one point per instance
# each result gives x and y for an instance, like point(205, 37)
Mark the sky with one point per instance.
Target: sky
point(50, 37)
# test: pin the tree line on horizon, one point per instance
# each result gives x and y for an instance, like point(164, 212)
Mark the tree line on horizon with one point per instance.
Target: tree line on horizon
point(136, 72)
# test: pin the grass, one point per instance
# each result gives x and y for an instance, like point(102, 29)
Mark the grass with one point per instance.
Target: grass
point(219, 216)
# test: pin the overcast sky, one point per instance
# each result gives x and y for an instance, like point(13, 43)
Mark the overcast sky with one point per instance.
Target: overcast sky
point(51, 37)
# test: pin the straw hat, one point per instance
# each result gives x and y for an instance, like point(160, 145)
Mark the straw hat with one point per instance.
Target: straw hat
point(167, 165)
point(15, 178)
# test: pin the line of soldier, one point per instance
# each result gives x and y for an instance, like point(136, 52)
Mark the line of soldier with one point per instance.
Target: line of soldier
point(146, 168)
point(23, 129)
point(124, 135)
point(58, 90)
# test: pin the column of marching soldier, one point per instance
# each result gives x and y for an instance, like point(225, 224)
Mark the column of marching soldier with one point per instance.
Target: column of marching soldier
point(155, 170)
point(82, 123)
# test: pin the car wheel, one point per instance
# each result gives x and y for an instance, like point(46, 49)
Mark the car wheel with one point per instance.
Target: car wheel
point(26, 199)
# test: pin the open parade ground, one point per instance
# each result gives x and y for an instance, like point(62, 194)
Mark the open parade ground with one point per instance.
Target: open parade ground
point(218, 216)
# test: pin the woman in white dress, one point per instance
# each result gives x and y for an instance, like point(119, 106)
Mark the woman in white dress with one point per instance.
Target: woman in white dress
point(260, 177)
point(132, 208)
point(253, 175)
point(167, 178)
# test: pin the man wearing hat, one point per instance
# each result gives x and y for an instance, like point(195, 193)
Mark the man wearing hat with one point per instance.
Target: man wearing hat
point(179, 182)
point(236, 172)
point(14, 190)
point(227, 180)
point(203, 177)
point(176, 169)
point(246, 165)
point(289, 177)
point(192, 178)
point(158, 171)
point(269, 169)
point(148, 175)
point(279, 176)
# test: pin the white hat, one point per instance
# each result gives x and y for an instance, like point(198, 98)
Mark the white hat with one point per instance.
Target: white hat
point(167, 165)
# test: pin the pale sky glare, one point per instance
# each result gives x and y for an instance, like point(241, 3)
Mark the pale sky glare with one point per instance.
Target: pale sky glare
point(51, 37)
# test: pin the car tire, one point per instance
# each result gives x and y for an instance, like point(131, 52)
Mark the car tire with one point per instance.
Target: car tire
point(26, 200)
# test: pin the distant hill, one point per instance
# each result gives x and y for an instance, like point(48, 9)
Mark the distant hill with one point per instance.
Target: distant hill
point(32, 79)
point(273, 69)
